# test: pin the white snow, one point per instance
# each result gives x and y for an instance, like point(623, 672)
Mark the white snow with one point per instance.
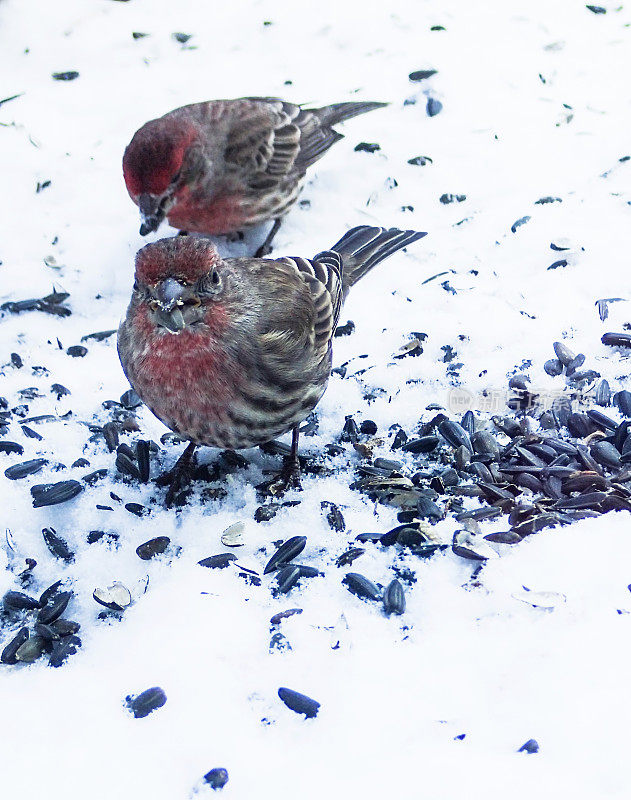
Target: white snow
point(467, 657)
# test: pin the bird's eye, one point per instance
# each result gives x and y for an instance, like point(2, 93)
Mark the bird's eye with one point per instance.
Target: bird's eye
point(210, 283)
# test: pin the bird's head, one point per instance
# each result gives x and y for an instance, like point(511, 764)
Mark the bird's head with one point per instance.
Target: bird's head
point(163, 158)
point(181, 283)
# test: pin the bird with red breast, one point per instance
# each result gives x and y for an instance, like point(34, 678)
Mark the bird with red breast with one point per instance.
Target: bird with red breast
point(234, 352)
point(222, 166)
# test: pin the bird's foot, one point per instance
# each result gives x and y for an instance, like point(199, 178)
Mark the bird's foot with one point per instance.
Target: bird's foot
point(264, 250)
point(287, 478)
point(180, 476)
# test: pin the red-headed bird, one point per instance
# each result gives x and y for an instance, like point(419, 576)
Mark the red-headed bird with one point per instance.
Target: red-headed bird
point(225, 165)
point(235, 352)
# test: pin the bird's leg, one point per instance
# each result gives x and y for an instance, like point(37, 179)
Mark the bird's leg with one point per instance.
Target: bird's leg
point(180, 475)
point(289, 476)
point(266, 248)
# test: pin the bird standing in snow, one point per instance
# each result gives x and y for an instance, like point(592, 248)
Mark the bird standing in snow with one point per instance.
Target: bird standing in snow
point(235, 352)
point(225, 165)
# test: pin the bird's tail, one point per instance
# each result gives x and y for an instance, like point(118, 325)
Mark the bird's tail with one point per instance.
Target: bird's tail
point(339, 112)
point(362, 248)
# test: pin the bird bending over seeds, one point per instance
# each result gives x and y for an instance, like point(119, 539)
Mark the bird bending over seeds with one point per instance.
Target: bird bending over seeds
point(234, 352)
point(224, 165)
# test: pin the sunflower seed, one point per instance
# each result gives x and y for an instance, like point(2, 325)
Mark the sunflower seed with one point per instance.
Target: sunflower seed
point(152, 548)
point(57, 546)
point(347, 558)
point(563, 353)
point(51, 494)
point(333, 516)
point(216, 778)
point(142, 457)
point(8, 655)
point(466, 545)
point(361, 586)
point(518, 223)
point(286, 578)
point(31, 649)
point(532, 745)
point(281, 615)
point(421, 75)
point(17, 471)
point(503, 537)
point(455, 434)
point(602, 395)
point(553, 367)
point(617, 339)
point(394, 598)
point(233, 535)
point(18, 601)
point(299, 703)
point(433, 107)
point(143, 704)
point(65, 648)
point(125, 465)
point(11, 447)
point(116, 597)
point(623, 401)
point(220, 561)
point(606, 454)
point(56, 608)
point(285, 553)
point(425, 444)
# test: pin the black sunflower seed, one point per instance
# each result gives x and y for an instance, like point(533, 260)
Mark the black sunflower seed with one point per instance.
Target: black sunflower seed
point(216, 778)
point(427, 509)
point(220, 561)
point(394, 598)
point(503, 537)
point(602, 395)
point(347, 558)
point(57, 546)
point(51, 494)
point(110, 434)
point(518, 223)
point(368, 427)
point(623, 401)
point(285, 553)
point(587, 500)
point(11, 447)
point(361, 586)
point(54, 609)
point(455, 434)
point(31, 649)
point(606, 454)
point(142, 456)
point(18, 471)
point(333, 516)
point(350, 431)
point(63, 649)
point(563, 353)
point(424, 444)
point(152, 548)
point(130, 400)
point(286, 578)
point(18, 601)
point(307, 571)
point(95, 476)
point(421, 75)
point(143, 704)
point(8, 655)
point(65, 627)
point(485, 444)
point(536, 524)
point(299, 703)
point(125, 465)
point(433, 107)
point(69, 75)
point(400, 438)
point(617, 339)
point(137, 509)
point(281, 615)
point(553, 367)
point(531, 746)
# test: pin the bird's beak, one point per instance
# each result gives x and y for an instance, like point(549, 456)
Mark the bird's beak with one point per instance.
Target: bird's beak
point(151, 212)
point(172, 320)
point(169, 295)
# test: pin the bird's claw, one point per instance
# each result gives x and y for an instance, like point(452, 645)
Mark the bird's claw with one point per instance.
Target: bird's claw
point(287, 478)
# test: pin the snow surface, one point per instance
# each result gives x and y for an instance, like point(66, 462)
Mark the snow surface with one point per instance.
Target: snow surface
point(535, 104)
